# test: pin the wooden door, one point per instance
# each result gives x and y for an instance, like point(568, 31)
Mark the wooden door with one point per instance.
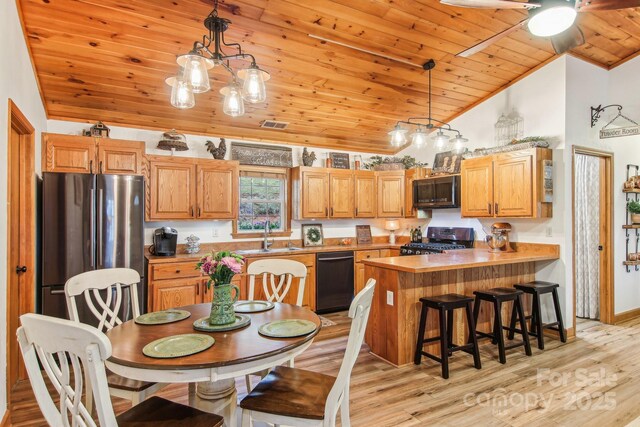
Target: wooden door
point(365, 194)
point(172, 188)
point(513, 182)
point(391, 194)
point(410, 176)
point(217, 189)
point(341, 203)
point(176, 293)
point(315, 195)
point(21, 236)
point(476, 187)
point(69, 153)
point(120, 157)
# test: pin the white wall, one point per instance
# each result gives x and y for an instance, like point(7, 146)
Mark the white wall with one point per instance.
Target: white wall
point(206, 229)
point(17, 82)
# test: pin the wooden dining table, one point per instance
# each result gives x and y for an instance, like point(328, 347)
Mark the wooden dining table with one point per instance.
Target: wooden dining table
point(211, 373)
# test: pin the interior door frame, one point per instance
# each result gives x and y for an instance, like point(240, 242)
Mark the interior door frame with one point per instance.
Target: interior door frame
point(19, 122)
point(607, 287)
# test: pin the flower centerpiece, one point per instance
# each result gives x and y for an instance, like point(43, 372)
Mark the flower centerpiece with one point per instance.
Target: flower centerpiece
point(221, 268)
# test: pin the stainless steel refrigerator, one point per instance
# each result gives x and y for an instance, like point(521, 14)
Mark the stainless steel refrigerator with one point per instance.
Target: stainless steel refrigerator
point(89, 222)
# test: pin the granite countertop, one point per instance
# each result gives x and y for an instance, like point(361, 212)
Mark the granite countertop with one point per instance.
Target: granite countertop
point(465, 258)
point(154, 259)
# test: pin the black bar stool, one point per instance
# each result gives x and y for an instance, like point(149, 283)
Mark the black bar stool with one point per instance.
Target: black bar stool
point(497, 296)
point(535, 289)
point(445, 304)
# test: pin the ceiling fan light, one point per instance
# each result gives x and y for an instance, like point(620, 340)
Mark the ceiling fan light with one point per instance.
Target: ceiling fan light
point(195, 71)
point(397, 136)
point(554, 17)
point(181, 94)
point(419, 138)
point(233, 105)
point(253, 87)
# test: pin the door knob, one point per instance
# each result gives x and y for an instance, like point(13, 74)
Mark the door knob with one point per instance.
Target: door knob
point(21, 269)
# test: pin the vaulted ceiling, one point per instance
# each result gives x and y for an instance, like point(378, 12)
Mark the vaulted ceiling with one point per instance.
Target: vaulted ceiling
point(107, 60)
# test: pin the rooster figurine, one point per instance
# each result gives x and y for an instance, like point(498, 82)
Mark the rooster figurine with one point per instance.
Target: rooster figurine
point(218, 152)
point(308, 158)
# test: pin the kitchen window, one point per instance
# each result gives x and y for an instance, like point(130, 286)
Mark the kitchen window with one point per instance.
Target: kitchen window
point(264, 196)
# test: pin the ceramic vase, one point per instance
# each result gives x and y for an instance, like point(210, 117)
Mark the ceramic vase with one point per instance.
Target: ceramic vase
point(222, 312)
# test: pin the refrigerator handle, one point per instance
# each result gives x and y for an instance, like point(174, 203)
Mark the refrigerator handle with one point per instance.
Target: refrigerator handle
point(100, 225)
point(93, 230)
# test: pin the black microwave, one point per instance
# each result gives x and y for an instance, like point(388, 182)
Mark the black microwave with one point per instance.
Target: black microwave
point(437, 193)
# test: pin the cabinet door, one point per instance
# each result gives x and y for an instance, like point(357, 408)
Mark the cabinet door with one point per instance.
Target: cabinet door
point(172, 189)
point(69, 153)
point(315, 195)
point(176, 293)
point(120, 157)
point(513, 182)
point(410, 176)
point(391, 195)
point(365, 194)
point(476, 182)
point(341, 195)
point(217, 190)
point(359, 279)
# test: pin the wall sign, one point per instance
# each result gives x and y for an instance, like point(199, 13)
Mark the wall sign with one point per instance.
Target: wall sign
point(261, 155)
point(340, 160)
point(619, 132)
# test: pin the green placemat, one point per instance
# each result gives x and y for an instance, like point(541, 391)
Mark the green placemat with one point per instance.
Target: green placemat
point(162, 317)
point(178, 346)
point(253, 306)
point(202, 324)
point(287, 328)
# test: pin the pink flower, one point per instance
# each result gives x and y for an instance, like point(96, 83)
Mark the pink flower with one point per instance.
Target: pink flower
point(232, 264)
point(208, 266)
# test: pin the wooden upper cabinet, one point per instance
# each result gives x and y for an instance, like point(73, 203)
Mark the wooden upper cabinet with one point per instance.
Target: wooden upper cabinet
point(365, 194)
point(172, 188)
point(68, 153)
point(476, 182)
point(217, 189)
point(85, 154)
point(508, 185)
point(391, 200)
point(512, 176)
point(341, 204)
point(310, 193)
point(120, 157)
point(411, 175)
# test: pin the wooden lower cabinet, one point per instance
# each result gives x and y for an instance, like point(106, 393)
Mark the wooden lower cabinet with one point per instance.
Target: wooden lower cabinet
point(176, 293)
point(360, 280)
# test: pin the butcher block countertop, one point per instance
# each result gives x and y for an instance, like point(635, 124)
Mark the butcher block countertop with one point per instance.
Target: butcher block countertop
point(466, 258)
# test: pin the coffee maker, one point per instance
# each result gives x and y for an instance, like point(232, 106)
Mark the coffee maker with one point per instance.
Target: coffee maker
point(165, 240)
point(498, 240)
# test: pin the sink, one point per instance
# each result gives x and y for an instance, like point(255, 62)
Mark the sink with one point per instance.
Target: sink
point(268, 251)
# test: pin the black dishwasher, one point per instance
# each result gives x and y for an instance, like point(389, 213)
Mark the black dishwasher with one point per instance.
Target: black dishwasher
point(334, 281)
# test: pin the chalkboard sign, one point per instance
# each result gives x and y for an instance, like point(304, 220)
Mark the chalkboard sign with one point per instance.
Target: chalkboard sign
point(340, 160)
point(363, 234)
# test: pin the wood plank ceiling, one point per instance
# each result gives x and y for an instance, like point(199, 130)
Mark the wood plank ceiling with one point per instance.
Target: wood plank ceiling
point(107, 60)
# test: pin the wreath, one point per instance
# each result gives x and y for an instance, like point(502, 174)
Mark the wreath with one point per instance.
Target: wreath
point(313, 234)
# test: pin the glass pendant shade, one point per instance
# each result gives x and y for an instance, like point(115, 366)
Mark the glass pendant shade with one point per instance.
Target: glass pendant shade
point(233, 104)
point(458, 143)
point(195, 72)
point(253, 88)
point(181, 93)
point(440, 140)
point(553, 17)
point(397, 136)
point(419, 138)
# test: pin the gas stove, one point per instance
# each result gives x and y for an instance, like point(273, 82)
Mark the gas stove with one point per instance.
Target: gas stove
point(441, 239)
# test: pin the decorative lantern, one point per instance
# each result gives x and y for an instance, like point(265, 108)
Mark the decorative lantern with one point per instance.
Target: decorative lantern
point(99, 130)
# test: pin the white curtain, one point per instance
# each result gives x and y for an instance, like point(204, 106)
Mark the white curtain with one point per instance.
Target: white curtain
point(587, 229)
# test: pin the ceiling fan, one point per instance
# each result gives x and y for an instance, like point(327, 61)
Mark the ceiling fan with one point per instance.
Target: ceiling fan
point(547, 18)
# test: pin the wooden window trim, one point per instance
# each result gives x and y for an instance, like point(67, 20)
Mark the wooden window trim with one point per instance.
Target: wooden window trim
point(288, 211)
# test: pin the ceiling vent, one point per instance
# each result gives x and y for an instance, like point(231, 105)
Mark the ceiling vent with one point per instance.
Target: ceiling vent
point(272, 124)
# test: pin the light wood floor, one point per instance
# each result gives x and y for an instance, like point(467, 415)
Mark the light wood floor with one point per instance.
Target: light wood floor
point(601, 368)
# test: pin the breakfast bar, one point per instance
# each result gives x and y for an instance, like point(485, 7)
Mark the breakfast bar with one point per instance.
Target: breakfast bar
point(402, 281)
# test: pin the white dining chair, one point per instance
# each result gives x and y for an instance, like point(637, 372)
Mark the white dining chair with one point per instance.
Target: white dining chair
point(295, 397)
point(277, 278)
point(68, 352)
point(105, 293)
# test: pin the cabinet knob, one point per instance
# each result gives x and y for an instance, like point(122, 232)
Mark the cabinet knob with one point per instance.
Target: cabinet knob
point(177, 271)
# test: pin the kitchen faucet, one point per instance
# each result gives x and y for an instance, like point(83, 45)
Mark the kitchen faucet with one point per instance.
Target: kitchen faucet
point(267, 230)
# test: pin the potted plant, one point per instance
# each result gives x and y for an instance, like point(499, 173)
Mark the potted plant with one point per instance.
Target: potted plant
point(634, 209)
point(221, 268)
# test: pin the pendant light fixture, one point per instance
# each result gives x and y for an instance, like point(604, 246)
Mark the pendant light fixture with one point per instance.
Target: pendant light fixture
point(193, 72)
point(552, 17)
point(441, 139)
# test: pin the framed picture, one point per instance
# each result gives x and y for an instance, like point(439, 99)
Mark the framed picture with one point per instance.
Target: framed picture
point(447, 162)
point(312, 235)
point(363, 234)
point(340, 160)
